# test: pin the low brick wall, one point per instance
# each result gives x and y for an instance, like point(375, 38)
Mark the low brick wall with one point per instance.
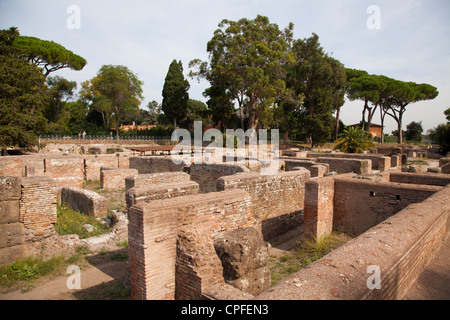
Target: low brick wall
point(434, 179)
point(171, 243)
point(114, 179)
point(341, 165)
point(150, 179)
point(160, 191)
point(379, 162)
point(86, 201)
point(207, 174)
point(401, 247)
point(277, 200)
point(37, 207)
point(359, 205)
point(156, 164)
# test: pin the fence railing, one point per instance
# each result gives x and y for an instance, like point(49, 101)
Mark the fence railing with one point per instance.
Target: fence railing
point(101, 138)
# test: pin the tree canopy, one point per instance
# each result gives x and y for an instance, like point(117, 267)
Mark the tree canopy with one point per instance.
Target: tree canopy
point(21, 99)
point(247, 60)
point(114, 91)
point(48, 55)
point(175, 93)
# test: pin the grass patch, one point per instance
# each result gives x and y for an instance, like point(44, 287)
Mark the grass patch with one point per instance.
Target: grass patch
point(304, 254)
point(71, 222)
point(29, 269)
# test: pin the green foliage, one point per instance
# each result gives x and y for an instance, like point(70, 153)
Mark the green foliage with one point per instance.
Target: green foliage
point(28, 269)
point(22, 100)
point(441, 136)
point(49, 55)
point(414, 131)
point(72, 221)
point(175, 93)
point(320, 80)
point(354, 140)
point(247, 65)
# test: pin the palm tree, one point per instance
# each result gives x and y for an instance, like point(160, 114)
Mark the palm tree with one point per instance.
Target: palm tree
point(354, 140)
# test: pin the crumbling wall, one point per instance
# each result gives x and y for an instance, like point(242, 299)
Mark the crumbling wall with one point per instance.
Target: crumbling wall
point(379, 162)
point(277, 200)
point(156, 164)
point(86, 201)
point(171, 242)
point(434, 179)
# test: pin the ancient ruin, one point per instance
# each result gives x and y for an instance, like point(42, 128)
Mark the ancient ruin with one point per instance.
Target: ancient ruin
point(202, 230)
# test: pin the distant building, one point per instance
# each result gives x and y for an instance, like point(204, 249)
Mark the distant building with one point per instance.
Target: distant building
point(375, 129)
point(134, 127)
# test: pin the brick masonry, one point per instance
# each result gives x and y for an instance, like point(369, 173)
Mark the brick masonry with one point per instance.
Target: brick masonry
point(277, 200)
point(150, 179)
point(401, 247)
point(340, 165)
point(172, 241)
point(37, 207)
point(114, 179)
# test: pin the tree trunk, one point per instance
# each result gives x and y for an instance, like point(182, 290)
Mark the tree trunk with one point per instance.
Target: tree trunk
point(174, 124)
point(337, 123)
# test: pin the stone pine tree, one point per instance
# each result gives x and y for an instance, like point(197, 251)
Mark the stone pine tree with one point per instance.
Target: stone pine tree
point(175, 94)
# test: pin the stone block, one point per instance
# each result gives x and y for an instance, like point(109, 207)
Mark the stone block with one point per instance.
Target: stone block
point(9, 188)
point(11, 234)
point(88, 202)
point(9, 211)
point(244, 255)
point(9, 255)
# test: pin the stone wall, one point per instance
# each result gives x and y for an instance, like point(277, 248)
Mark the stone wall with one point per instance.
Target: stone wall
point(86, 201)
point(277, 200)
point(12, 232)
point(171, 242)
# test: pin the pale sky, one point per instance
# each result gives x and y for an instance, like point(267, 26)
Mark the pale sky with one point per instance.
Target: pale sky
point(408, 40)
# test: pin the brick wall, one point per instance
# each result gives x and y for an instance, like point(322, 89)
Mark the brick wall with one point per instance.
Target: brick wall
point(38, 207)
point(145, 194)
point(155, 164)
point(114, 179)
point(277, 200)
point(149, 179)
point(379, 162)
point(207, 174)
point(86, 201)
point(171, 248)
point(359, 205)
point(401, 247)
point(435, 179)
point(340, 165)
